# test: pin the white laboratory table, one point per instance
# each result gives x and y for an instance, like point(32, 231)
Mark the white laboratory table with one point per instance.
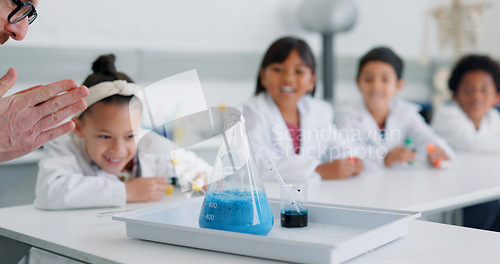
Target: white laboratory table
point(81, 235)
point(472, 180)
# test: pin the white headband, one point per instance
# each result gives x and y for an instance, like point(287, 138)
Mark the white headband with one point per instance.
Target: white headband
point(107, 89)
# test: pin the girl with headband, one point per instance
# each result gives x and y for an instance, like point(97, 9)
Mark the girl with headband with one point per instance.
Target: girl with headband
point(101, 163)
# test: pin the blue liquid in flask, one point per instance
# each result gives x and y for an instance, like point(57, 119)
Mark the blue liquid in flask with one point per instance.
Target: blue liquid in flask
point(237, 211)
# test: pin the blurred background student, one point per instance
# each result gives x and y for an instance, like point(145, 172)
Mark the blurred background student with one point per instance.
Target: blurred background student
point(470, 123)
point(284, 119)
point(382, 125)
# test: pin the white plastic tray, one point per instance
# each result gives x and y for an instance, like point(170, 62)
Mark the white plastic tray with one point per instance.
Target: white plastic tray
point(335, 233)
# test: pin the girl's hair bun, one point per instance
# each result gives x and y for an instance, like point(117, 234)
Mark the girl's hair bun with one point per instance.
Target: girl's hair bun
point(104, 70)
point(105, 64)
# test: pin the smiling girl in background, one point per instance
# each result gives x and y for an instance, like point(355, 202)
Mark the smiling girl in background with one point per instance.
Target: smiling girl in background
point(284, 119)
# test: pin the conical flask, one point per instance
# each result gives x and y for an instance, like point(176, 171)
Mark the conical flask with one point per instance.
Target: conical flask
point(235, 199)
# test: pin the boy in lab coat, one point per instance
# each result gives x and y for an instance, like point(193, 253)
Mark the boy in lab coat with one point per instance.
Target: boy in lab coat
point(109, 160)
point(388, 131)
point(470, 123)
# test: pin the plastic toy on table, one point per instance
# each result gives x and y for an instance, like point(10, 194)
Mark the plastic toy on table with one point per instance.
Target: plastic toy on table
point(440, 164)
point(409, 145)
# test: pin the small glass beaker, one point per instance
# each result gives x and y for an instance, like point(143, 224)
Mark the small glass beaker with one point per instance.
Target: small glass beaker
point(293, 205)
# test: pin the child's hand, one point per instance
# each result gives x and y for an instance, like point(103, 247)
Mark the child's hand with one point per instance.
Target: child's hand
point(436, 155)
point(202, 176)
point(399, 154)
point(358, 165)
point(145, 189)
point(339, 169)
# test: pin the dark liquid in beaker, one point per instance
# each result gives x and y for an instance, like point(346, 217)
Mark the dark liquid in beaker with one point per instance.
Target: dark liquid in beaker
point(293, 219)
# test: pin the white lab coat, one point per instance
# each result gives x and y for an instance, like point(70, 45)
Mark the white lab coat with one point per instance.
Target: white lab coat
point(453, 124)
point(267, 130)
point(403, 122)
point(67, 178)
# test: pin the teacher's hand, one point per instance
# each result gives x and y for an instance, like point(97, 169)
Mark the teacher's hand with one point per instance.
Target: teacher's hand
point(30, 118)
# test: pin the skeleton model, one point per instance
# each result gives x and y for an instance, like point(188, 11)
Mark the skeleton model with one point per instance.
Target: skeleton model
point(459, 26)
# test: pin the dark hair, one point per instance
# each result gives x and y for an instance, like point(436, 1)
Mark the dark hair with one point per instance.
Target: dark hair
point(104, 70)
point(470, 63)
point(279, 51)
point(382, 54)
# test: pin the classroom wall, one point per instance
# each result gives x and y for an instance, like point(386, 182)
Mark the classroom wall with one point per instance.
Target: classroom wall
point(199, 32)
point(234, 26)
point(227, 38)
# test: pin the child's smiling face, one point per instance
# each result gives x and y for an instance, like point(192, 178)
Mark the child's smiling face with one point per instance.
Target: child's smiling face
point(288, 81)
point(378, 83)
point(477, 94)
point(108, 131)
